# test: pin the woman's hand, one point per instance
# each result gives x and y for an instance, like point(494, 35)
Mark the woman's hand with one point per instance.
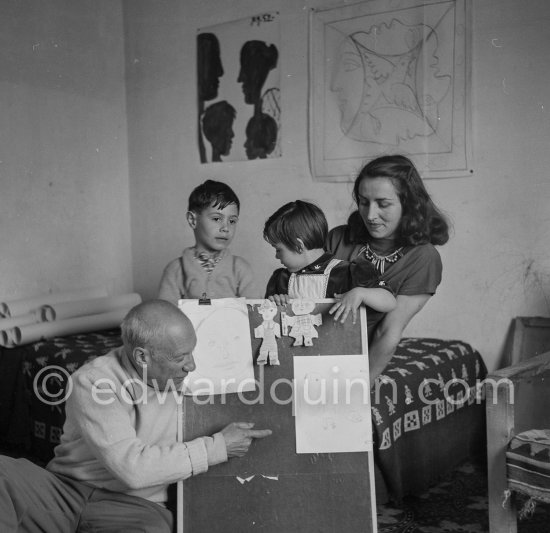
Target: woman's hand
point(348, 303)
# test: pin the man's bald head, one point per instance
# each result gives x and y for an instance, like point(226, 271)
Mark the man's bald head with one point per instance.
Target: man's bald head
point(151, 323)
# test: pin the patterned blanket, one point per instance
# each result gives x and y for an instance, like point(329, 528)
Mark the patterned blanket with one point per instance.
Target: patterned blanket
point(46, 367)
point(427, 410)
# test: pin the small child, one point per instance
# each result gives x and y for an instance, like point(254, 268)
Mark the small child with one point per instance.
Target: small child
point(298, 232)
point(208, 269)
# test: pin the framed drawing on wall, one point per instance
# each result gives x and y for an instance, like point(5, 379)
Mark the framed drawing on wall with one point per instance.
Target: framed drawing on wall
point(390, 77)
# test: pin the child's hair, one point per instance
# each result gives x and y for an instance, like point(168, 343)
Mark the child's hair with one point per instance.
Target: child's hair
point(213, 193)
point(297, 220)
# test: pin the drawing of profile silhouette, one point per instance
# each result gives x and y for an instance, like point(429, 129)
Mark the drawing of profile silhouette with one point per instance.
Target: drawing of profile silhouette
point(386, 92)
point(217, 126)
point(261, 136)
point(257, 59)
point(209, 72)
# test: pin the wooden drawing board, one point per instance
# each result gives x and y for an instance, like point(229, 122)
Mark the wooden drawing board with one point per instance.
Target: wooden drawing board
point(273, 489)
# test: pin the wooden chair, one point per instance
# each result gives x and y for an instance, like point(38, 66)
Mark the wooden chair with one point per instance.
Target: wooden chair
point(529, 336)
point(517, 400)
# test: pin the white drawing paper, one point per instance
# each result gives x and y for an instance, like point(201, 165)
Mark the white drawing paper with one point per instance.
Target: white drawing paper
point(223, 355)
point(332, 404)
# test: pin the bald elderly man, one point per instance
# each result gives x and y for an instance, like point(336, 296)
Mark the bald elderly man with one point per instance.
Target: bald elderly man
point(119, 452)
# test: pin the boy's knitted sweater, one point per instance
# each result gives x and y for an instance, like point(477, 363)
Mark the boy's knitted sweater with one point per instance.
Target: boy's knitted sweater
point(185, 277)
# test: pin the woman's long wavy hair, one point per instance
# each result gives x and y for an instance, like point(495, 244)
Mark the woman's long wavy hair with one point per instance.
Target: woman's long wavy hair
point(421, 221)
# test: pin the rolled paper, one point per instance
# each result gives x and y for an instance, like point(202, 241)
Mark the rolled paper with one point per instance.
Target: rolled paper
point(24, 306)
point(60, 328)
point(22, 320)
point(63, 310)
point(7, 338)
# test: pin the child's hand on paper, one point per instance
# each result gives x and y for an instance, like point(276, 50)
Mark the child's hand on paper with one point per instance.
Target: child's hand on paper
point(280, 299)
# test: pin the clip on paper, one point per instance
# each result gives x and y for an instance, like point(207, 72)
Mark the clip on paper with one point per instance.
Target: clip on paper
point(204, 300)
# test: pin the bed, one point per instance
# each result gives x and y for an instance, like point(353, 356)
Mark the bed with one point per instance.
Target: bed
point(33, 386)
point(427, 408)
point(428, 413)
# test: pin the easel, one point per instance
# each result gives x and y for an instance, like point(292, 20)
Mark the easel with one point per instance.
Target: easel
point(272, 488)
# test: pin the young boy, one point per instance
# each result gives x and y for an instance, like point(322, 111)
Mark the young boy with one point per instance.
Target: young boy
point(298, 231)
point(208, 269)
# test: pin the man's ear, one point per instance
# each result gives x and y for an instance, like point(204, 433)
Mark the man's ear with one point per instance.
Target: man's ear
point(301, 246)
point(192, 219)
point(141, 356)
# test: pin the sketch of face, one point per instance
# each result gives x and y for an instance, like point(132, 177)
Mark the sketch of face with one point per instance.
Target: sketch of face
point(268, 312)
point(355, 87)
point(303, 306)
point(209, 66)
point(219, 351)
point(347, 83)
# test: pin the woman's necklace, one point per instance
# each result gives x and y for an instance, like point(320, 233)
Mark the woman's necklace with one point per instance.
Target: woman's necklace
point(379, 261)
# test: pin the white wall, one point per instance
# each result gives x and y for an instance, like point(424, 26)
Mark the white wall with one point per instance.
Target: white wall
point(64, 206)
point(496, 265)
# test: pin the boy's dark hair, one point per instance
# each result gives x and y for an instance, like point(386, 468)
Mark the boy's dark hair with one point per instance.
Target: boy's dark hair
point(213, 193)
point(297, 220)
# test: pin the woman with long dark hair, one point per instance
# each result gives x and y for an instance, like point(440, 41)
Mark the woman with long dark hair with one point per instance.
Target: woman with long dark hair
point(395, 226)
